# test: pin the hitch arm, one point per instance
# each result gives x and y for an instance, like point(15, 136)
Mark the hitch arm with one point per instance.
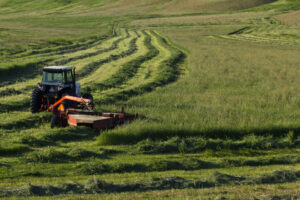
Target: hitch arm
point(71, 98)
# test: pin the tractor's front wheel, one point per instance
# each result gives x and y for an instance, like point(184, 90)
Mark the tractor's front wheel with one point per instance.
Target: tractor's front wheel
point(36, 100)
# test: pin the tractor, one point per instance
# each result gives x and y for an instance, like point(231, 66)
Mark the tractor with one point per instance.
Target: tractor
point(60, 93)
point(57, 82)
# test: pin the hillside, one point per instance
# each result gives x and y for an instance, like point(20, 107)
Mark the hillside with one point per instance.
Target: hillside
point(215, 84)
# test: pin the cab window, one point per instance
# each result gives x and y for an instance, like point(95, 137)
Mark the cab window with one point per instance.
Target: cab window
point(52, 77)
point(68, 77)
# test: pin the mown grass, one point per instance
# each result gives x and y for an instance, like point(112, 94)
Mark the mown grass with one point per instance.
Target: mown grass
point(214, 92)
point(220, 98)
point(99, 186)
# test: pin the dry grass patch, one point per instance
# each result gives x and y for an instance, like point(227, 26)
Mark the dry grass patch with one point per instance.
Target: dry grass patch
point(201, 19)
point(196, 6)
point(291, 18)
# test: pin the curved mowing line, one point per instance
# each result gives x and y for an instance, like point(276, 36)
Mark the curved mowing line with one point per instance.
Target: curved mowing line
point(112, 47)
point(62, 49)
point(21, 104)
point(92, 67)
point(31, 69)
point(98, 186)
point(11, 75)
point(71, 50)
point(108, 69)
point(148, 70)
point(264, 30)
point(80, 64)
point(32, 66)
point(48, 51)
point(18, 121)
point(129, 69)
point(24, 123)
point(61, 62)
point(168, 72)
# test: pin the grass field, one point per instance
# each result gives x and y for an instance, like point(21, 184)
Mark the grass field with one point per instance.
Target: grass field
point(216, 85)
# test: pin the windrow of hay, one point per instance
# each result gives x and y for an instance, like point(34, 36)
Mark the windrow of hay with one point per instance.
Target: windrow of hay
point(92, 67)
point(98, 167)
point(51, 155)
point(112, 47)
point(128, 70)
point(199, 19)
point(93, 185)
point(199, 144)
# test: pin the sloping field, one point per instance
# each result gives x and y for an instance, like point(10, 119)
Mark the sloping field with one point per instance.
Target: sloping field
point(291, 18)
point(217, 94)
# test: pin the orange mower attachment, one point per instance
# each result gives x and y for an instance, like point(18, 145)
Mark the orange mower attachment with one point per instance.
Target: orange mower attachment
point(81, 112)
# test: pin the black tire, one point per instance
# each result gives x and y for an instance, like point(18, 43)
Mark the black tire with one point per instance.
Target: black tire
point(54, 121)
point(36, 100)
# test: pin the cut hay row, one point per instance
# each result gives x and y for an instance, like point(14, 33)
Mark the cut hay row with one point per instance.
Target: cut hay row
point(142, 77)
point(98, 186)
point(111, 44)
point(66, 46)
point(18, 62)
point(264, 30)
point(91, 67)
point(168, 71)
point(20, 102)
point(86, 163)
point(10, 102)
point(129, 69)
point(27, 85)
point(32, 68)
point(107, 70)
point(26, 119)
point(146, 72)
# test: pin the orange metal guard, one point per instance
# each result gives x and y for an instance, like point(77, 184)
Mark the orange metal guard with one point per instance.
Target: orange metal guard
point(71, 98)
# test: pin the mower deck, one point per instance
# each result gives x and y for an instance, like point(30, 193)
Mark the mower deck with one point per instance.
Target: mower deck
point(96, 122)
point(87, 116)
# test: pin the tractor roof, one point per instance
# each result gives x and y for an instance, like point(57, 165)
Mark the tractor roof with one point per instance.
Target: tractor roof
point(57, 68)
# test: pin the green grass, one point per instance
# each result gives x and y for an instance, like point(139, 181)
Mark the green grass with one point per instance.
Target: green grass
point(215, 84)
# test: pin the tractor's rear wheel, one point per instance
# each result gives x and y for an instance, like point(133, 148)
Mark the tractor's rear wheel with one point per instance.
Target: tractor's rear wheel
point(36, 100)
